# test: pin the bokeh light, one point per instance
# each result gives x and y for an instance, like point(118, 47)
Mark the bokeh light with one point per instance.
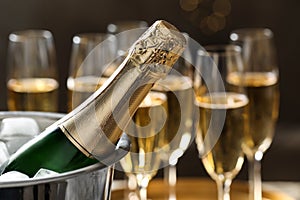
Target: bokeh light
point(189, 5)
point(209, 15)
point(221, 7)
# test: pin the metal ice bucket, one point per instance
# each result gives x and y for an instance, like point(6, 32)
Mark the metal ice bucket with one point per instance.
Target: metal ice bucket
point(88, 183)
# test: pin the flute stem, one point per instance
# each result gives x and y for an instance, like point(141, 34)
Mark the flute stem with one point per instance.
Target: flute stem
point(170, 178)
point(142, 193)
point(170, 175)
point(224, 189)
point(255, 183)
point(142, 185)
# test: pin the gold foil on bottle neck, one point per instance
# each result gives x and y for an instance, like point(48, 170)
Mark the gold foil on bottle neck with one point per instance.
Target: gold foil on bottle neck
point(158, 48)
point(96, 125)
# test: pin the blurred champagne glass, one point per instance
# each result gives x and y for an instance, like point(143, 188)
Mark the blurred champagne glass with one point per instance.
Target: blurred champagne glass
point(147, 134)
point(32, 72)
point(223, 114)
point(90, 65)
point(180, 96)
point(261, 82)
point(126, 32)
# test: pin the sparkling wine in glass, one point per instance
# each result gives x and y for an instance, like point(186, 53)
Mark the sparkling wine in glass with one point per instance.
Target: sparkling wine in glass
point(179, 92)
point(223, 119)
point(32, 71)
point(147, 135)
point(261, 82)
point(90, 65)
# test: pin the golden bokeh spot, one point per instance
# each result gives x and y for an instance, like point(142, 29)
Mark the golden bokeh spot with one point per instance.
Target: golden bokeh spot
point(216, 22)
point(209, 15)
point(189, 5)
point(204, 26)
point(222, 7)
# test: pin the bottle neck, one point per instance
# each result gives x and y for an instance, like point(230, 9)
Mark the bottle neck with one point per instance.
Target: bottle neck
point(97, 124)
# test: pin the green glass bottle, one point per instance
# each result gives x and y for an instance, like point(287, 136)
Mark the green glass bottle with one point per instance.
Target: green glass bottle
point(52, 151)
point(89, 133)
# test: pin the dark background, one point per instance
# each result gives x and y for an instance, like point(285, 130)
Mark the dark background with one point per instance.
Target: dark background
point(68, 17)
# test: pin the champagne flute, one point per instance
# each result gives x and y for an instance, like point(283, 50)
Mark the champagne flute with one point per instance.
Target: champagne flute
point(223, 114)
point(91, 57)
point(32, 71)
point(127, 31)
point(90, 66)
point(261, 82)
point(180, 96)
point(147, 142)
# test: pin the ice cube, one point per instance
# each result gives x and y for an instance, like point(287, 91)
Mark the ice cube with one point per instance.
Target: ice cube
point(44, 173)
point(14, 144)
point(13, 176)
point(18, 126)
point(4, 155)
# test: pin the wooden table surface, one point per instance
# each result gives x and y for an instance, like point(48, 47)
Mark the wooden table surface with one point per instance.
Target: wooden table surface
point(195, 188)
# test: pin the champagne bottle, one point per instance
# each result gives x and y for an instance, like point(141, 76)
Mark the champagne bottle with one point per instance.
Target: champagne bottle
point(89, 133)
